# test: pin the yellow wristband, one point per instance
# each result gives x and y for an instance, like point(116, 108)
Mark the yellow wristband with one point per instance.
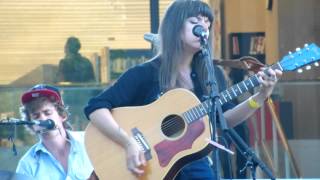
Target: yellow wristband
point(253, 104)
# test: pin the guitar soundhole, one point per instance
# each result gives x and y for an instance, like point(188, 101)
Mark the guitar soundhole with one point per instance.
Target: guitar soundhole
point(173, 126)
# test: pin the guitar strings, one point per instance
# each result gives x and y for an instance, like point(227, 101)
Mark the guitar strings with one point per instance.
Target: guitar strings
point(174, 119)
point(185, 119)
point(172, 123)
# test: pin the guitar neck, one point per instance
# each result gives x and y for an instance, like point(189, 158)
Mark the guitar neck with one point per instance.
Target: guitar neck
point(227, 95)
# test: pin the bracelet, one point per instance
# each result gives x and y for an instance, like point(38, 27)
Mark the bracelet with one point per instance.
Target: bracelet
point(253, 104)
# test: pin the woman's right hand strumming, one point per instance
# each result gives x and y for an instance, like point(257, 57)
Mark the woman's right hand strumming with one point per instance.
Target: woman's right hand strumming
point(104, 121)
point(135, 158)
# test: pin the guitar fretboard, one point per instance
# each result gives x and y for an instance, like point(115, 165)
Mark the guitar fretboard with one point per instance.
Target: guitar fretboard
point(231, 93)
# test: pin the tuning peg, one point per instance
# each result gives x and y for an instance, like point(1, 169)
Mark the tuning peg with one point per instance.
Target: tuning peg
point(298, 50)
point(308, 67)
point(316, 64)
point(290, 54)
point(300, 70)
point(307, 46)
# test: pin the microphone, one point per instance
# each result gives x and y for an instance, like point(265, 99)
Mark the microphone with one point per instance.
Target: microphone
point(47, 124)
point(152, 38)
point(199, 31)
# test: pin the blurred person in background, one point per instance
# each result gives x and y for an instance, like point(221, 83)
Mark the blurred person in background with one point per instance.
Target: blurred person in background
point(74, 67)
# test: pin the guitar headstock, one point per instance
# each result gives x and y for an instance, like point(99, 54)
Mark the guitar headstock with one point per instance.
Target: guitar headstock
point(301, 57)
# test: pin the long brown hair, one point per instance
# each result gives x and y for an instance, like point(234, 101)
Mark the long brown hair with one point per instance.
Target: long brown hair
point(171, 45)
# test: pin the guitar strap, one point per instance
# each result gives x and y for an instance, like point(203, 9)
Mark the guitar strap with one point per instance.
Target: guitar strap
point(247, 63)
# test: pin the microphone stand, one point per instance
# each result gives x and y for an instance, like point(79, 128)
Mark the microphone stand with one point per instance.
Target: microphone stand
point(244, 149)
point(215, 105)
point(252, 160)
point(12, 136)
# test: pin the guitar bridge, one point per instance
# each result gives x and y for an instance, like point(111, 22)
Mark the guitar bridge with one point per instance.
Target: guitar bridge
point(140, 139)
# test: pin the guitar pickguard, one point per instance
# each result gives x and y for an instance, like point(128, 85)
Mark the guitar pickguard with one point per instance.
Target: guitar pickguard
point(167, 149)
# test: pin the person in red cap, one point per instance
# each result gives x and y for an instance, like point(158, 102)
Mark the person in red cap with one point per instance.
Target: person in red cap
point(60, 152)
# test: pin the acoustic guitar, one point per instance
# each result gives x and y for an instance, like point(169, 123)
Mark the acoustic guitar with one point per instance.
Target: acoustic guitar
point(172, 131)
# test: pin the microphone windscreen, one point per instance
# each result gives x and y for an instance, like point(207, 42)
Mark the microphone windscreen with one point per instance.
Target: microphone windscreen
point(50, 124)
point(152, 38)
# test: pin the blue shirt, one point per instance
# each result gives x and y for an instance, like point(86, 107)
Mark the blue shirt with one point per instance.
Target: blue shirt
point(39, 163)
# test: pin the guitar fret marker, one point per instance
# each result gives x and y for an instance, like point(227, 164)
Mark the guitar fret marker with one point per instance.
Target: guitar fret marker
point(187, 117)
point(190, 116)
point(235, 94)
point(193, 115)
point(251, 82)
point(202, 109)
point(256, 78)
point(224, 98)
point(189, 120)
point(184, 116)
point(229, 94)
point(280, 67)
point(197, 112)
point(239, 88)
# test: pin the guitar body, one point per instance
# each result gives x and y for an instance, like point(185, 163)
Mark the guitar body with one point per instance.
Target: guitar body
point(169, 151)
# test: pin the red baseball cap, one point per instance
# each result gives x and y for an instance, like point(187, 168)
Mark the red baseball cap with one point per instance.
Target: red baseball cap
point(41, 90)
